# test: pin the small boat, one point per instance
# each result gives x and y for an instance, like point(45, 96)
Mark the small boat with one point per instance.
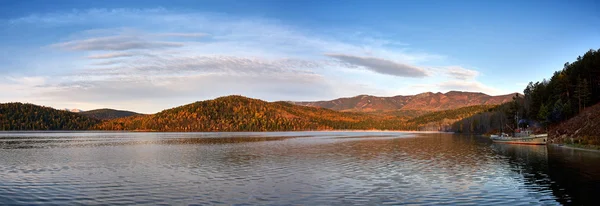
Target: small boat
point(522, 137)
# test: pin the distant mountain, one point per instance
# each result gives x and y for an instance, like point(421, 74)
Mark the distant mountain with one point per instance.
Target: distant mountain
point(73, 110)
point(106, 114)
point(421, 102)
point(19, 116)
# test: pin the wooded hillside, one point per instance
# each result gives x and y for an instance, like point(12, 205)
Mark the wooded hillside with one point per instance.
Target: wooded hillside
point(19, 116)
point(237, 113)
point(545, 103)
point(568, 92)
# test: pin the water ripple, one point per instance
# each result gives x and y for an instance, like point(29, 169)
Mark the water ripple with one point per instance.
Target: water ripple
point(312, 168)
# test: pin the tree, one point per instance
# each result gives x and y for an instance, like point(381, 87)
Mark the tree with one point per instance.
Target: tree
point(585, 93)
point(543, 114)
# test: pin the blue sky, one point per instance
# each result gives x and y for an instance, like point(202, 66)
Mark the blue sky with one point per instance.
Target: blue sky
point(150, 55)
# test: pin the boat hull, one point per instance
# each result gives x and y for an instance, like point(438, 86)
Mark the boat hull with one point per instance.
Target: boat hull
point(536, 140)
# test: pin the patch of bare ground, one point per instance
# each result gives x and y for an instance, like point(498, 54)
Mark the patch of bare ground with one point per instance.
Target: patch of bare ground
point(583, 129)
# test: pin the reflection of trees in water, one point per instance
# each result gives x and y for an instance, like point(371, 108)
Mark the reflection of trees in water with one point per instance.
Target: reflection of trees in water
point(576, 175)
point(530, 161)
point(573, 176)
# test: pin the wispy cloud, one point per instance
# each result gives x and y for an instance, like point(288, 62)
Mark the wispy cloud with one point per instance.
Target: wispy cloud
point(189, 35)
point(127, 59)
point(382, 66)
point(115, 43)
point(110, 55)
point(461, 73)
point(164, 64)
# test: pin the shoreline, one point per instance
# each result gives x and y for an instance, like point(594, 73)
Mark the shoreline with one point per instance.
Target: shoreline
point(151, 131)
point(575, 147)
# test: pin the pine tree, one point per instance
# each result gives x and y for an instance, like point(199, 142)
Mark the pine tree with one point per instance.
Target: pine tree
point(585, 93)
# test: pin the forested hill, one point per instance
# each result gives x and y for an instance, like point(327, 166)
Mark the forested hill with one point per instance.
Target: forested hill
point(237, 113)
point(568, 92)
point(230, 113)
point(443, 120)
point(19, 116)
point(106, 114)
point(547, 104)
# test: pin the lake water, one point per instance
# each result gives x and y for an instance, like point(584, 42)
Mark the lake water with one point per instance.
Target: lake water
point(281, 168)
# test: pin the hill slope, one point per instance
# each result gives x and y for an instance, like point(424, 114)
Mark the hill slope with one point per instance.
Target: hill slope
point(421, 102)
point(106, 114)
point(443, 120)
point(581, 129)
point(237, 113)
point(19, 116)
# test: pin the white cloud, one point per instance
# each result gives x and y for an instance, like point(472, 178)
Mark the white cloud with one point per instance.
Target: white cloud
point(27, 81)
point(165, 65)
point(19, 87)
point(127, 60)
point(461, 73)
point(115, 43)
point(185, 89)
point(110, 55)
point(382, 66)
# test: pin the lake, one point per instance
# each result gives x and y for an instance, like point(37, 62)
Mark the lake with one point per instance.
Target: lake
point(282, 168)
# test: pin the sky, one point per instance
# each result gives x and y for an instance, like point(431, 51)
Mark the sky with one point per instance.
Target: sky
point(146, 56)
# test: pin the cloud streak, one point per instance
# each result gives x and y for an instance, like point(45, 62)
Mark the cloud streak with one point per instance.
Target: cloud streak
point(461, 73)
point(110, 55)
point(114, 43)
point(188, 35)
point(164, 64)
point(126, 59)
point(382, 66)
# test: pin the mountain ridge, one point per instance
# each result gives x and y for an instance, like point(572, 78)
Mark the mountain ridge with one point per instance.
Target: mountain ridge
point(228, 113)
point(239, 113)
point(108, 114)
point(427, 101)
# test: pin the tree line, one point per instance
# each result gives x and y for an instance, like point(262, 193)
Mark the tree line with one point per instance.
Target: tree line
point(231, 113)
point(237, 113)
point(566, 93)
point(544, 103)
point(19, 116)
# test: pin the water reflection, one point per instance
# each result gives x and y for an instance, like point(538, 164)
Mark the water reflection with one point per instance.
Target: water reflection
point(576, 175)
point(572, 175)
point(310, 168)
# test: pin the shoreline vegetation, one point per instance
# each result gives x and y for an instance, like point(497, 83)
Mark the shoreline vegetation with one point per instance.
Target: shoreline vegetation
point(566, 106)
point(150, 131)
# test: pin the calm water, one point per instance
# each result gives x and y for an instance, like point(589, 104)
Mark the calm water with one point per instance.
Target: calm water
point(310, 168)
